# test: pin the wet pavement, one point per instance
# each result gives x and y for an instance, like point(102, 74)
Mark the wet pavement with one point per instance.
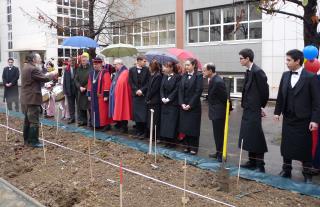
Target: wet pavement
point(271, 129)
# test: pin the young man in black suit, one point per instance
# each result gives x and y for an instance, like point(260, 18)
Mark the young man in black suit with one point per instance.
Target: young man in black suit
point(138, 78)
point(255, 95)
point(217, 98)
point(299, 102)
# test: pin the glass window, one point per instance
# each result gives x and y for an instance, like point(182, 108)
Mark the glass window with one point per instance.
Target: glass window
point(204, 17)
point(162, 38)
point(60, 41)
point(66, 31)
point(85, 4)
point(215, 16)
point(74, 52)
point(137, 40)
point(228, 15)
point(123, 30)
point(154, 38)
point(79, 23)
point(67, 52)
point(73, 22)
point(172, 37)
point(162, 23)
point(86, 32)
point(59, 9)
point(60, 52)
point(79, 3)
point(79, 13)
point(9, 26)
point(60, 32)
point(145, 39)
point(60, 21)
point(204, 34)
point(73, 12)
point(66, 2)
point(73, 3)
point(242, 13)
point(10, 45)
point(154, 24)
point(193, 35)
point(66, 11)
point(123, 39)
point(242, 31)
point(255, 13)
point(66, 22)
point(193, 19)
point(59, 2)
point(171, 21)
point(130, 29)
point(240, 83)
point(228, 32)
point(115, 39)
point(137, 27)
point(73, 32)
point(85, 14)
point(115, 29)
point(130, 39)
point(256, 30)
point(9, 18)
point(8, 9)
point(145, 26)
point(215, 33)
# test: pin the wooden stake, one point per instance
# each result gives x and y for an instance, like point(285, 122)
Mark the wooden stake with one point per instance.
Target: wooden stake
point(240, 159)
point(94, 128)
point(184, 198)
point(90, 162)
point(57, 121)
point(44, 148)
point(7, 119)
point(155, 144)
point(121, 183)
point(151, 132)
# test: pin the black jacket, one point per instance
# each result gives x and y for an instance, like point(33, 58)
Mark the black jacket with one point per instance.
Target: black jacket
point(153, 91)
point(133, 80)
point(217, 98)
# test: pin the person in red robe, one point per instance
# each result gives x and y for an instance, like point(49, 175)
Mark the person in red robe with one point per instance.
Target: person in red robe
point(120, 108)
point(99, 83)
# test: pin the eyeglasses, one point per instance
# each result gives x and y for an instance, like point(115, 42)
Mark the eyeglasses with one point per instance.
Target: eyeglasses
point(241, 58)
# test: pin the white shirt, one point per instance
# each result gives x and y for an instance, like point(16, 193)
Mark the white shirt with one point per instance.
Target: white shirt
point(250, 67)
point(295, 77)
point(190, 74)
point(170, 76)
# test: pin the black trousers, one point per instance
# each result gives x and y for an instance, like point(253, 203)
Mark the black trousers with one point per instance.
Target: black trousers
point(192, 142)
point(16, 103)
point(31, 115)
point(83, 117)
point(218, 132)
point(141, 127)
point(257, 159)
point(306, 170)
point(72, 105)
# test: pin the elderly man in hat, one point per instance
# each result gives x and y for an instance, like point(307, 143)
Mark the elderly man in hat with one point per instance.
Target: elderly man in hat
point(98, 94)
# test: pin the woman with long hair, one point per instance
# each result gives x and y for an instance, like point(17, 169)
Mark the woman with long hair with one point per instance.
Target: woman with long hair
point(190, 90)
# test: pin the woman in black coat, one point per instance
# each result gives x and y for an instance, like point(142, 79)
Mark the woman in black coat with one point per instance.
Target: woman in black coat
point(153, 95)
point(170, 103)
point(190, 90)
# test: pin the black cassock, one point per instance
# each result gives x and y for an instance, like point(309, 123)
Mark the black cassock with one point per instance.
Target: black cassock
point(299, 105)
point(190, 91)
point(170, 111)
point(139, 81)
point(153, 99)
point(255, 96)
point(11, 76)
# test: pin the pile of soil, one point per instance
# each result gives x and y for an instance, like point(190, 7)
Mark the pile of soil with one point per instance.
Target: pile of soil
point(65, 179)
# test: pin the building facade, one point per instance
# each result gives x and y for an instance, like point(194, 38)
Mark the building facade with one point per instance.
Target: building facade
point(215, 31)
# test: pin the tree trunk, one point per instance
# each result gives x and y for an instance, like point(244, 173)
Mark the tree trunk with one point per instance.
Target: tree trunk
point(309, 27)
point(92, 51)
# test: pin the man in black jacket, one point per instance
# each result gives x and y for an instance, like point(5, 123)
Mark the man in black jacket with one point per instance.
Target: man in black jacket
point(138, 79)
point(217, 98)
point(10, 77)
point(69, 88)
point(299, 102)
point(255, 95)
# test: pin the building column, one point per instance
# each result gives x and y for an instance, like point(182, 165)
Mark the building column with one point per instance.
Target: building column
point(179, 24)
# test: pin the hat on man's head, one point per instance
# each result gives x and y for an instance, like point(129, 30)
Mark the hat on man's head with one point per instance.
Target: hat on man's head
point(85, 54)
point(97, 60)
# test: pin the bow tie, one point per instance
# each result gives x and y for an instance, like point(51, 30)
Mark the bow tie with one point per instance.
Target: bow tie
point(248, 71)
point(189, 75)
point(293, 73)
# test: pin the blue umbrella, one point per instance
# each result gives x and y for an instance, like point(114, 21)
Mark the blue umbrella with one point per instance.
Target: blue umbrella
point(80, 41)
point(160, 57)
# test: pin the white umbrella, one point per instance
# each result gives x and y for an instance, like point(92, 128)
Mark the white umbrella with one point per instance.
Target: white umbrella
point(119, 50)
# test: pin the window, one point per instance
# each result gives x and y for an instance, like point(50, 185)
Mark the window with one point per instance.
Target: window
point(158, 30)
point(229, 23)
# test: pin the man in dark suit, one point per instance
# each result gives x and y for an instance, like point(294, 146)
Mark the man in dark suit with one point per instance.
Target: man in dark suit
point(10, 77)
point(255, 95)
point(69, 88)
point(31, 98)
point(138, 79)
point(299, 102)
point(217, 98)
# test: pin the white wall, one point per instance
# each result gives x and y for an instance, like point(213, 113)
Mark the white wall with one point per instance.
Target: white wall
point(280, 33)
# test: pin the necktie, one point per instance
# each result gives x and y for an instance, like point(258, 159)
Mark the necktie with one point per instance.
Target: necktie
point(293, 73)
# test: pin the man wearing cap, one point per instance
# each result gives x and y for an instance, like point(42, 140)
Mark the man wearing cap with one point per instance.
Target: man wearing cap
point(81, 82)
point(98, 94)
point(120, 108)
point(10, 78)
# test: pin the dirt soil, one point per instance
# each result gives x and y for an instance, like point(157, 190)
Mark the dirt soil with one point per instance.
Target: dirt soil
point(65, 179)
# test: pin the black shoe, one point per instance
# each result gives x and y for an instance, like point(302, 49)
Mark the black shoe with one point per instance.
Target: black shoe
point(192, 152)
point(249, 165)
point(37, 145)
point(186, 150)
point(117, 125)
point(106, 128)
point(213, 155)
point(285, 174)
point(25, 135)
point(139, 134)
point(260, 169)
point(219, 158)
point(71, 121)
point(308, 179)
point(124, 130)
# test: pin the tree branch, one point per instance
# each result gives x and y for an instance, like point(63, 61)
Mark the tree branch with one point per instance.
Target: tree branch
point(271, 11)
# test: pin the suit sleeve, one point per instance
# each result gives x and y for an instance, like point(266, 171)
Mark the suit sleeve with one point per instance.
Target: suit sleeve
point(263, 87)
point(144, 88)
point(4, 80)
point(174, 93)
point(279, 102)
point(16, 77)
point(39, 76)
point(134, 87)
point(315, 84)
point(155, 87)
point(222, 92)
point(161, 88)
point(76, 81)
point(198, 91)
point(181, 92)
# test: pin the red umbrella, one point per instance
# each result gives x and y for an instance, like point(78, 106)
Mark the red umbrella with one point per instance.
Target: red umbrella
point(184, 55)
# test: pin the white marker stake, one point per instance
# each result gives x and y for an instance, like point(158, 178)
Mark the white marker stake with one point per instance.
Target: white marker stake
point(155, 144)
point(121, 183)
point(151, 132)
point(184, 198)
point(90, 163)
point(57, 121)
point(94, 128)
point(240, 159)
point(44, 148)
point(7, 119)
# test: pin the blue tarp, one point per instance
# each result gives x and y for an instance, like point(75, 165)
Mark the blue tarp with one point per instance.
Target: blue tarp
point(203, 163)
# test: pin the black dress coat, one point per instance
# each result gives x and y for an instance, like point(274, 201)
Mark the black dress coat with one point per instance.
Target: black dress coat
point(217, 98)
point(153, 99)
point(69, 87)
point(255, 95)
point(296, 143)
point(11, 76)
point(190, 91)
point(81, 80)
point(139, 106)
point(170, 111)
